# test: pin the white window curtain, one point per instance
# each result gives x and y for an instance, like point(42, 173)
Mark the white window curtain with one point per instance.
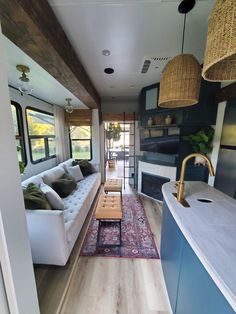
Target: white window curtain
point(62, 147)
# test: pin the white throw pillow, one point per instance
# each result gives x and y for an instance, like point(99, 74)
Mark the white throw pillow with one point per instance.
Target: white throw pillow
point(53, 198)
point(35, 180)
point(52, 175)
point(75, 172)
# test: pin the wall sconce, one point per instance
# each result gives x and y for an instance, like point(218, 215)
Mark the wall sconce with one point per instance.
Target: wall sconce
point(23, 83)
point(69, 107)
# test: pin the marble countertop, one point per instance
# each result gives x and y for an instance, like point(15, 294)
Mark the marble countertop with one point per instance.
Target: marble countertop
point(210, 229)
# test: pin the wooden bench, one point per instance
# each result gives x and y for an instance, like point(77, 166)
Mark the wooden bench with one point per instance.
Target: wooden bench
point(113, 185)
point(109, 209)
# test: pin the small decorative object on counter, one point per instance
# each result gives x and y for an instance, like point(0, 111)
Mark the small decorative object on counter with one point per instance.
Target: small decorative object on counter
point(150, 121)
point(199, 161)
point(168, 119)
point(158, 120)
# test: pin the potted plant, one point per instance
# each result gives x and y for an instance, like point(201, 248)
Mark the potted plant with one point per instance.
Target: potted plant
point(112, 134)
point(201, 142)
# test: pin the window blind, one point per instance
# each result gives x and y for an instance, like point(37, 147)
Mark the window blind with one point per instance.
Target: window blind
point(79, 117)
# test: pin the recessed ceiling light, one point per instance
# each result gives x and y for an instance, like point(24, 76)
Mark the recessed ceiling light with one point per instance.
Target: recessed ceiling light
point(106, 52)
point(109, 70)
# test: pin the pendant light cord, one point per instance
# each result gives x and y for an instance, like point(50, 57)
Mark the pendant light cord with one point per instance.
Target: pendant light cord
point(182, 48)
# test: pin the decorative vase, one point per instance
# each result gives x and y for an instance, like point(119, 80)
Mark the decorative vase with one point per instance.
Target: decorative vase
point(199, 161)
point(150, 121)
point(168, 119)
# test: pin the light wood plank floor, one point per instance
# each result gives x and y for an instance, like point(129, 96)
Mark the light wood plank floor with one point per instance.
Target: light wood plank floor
point(120, 286)
point(105, 285)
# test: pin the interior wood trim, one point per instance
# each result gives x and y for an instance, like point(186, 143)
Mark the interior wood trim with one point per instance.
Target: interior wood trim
point(34, 28)
point(119, 117)
point(79, 117)
point(226, 93)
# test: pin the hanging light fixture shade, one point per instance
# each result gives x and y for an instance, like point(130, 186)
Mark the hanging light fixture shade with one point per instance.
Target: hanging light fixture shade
point(69, 107)
point(180, 82)
point(24, 82)
point(220, 54)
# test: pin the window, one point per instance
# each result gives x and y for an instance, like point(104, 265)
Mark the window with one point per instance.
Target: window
point(41, 133)
point(81, 144)
point(18, 128)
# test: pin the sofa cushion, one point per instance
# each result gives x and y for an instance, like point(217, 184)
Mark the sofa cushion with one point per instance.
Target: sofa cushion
point(75, 172)
point(78, 200)
point(52, 197)
point(85, 166)
point(52, 175)
point(68, 163)
point(34, 198)
point(35, 180)
point(64, 185)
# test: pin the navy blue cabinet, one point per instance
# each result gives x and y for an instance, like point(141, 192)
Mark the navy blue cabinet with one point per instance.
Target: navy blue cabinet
point(171, 250)
point(201, 114)
point(194, 173)
point(190, 288)
point(197, 292)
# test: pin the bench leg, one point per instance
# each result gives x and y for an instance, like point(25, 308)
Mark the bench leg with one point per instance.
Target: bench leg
point(108, 245)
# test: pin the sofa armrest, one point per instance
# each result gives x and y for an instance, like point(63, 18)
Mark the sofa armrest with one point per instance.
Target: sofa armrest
point(47, 236)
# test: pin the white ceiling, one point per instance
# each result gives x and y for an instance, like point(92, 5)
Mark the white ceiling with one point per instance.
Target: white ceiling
point(131, 30)
point(45, 86)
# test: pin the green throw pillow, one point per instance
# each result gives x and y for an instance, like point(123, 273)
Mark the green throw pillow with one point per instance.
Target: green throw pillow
point(85, 166)
point(34, 198)
point(64, 185)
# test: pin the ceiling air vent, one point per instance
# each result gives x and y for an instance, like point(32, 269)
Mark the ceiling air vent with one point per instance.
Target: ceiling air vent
point(145, 66)
point(153, 64)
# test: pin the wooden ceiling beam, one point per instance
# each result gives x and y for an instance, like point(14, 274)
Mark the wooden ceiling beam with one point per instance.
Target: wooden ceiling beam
point(34, 28)
point(226, 93)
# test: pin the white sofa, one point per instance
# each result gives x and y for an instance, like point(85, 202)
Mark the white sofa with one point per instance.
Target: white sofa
point(53, 233)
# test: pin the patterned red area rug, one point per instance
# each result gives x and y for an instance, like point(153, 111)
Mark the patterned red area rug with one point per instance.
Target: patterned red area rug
point(137, 238)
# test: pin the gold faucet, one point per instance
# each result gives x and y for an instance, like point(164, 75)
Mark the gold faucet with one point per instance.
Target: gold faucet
point(180, 186)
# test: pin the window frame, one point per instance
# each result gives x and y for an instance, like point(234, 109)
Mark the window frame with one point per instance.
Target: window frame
point(44, 137)
point(21, 136)
point(81, 139)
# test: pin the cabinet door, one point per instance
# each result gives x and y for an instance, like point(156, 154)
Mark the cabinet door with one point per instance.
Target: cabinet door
point(171, 251)
point(203, 113)
point(197, 292)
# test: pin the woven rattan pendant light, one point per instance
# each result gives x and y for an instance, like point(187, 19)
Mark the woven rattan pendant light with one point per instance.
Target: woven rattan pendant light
point(220, 54)
point(181, 79)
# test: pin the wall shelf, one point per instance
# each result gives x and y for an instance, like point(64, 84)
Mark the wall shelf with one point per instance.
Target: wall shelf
point(160, 126)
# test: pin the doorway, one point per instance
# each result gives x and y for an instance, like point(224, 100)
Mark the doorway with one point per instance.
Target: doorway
point(119, 153)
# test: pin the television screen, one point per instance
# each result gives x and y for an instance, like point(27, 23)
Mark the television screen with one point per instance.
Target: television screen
point(166, 144)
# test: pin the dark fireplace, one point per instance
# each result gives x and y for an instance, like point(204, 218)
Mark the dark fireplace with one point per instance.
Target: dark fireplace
point(152, 184)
